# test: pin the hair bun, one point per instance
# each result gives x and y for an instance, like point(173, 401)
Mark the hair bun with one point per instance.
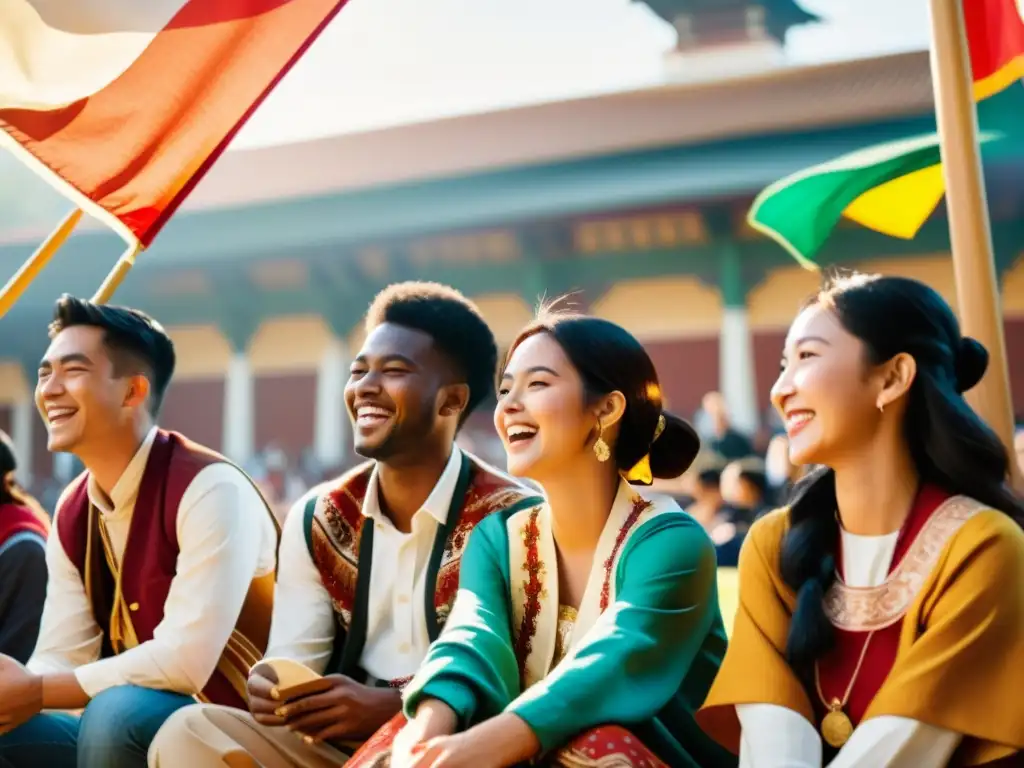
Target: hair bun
point(971, 363)
point(676, 448)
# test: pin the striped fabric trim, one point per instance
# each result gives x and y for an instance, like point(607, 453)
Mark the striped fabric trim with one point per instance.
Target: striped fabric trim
point(20, 537)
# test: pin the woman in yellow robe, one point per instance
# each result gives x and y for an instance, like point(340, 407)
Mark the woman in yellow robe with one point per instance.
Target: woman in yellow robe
point(881, 617)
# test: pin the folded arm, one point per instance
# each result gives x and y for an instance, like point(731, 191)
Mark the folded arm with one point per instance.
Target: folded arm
point(69, 636)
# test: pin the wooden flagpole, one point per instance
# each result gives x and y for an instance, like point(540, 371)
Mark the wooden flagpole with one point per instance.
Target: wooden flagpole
point(120, 271)
point(23, 278)
point(977, 284)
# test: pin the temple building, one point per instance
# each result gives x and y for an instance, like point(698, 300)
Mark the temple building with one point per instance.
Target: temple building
point(633, 202)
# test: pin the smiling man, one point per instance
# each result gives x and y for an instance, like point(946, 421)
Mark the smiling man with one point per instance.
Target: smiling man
point(161, 562)
point(370, 564)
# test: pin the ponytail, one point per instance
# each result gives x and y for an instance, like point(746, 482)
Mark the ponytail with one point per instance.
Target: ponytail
point(808, 567)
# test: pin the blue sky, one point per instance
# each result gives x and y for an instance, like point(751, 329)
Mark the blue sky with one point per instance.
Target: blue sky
point(383, 62)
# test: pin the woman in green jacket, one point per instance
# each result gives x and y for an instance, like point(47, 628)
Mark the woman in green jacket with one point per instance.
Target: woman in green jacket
point(586, 629)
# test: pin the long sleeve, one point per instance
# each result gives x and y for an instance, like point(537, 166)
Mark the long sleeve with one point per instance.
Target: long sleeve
point(222, 536)
point(303, 626)
point(776, 737)
point(896, 742)
point(471, 667)
point(68, 633)
point(635, 658)
point(22, 593)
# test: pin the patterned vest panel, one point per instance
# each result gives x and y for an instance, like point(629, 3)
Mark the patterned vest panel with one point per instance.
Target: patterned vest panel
point(334, 533)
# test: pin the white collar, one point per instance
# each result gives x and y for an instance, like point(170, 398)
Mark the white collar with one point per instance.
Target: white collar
point(126, 489)
point(437, 503)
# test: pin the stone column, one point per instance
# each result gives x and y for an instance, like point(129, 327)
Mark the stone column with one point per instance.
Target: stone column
point(736, 375)
point(23, 415)
point(239, 414)
point(330, 438)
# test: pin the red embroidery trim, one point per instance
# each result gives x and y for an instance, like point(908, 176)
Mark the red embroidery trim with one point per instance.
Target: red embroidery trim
point(639, 505)
point(533, 587)
point(400, 682)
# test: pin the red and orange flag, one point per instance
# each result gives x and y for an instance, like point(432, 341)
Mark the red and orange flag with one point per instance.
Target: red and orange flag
point(123, 105)
point(995, 38)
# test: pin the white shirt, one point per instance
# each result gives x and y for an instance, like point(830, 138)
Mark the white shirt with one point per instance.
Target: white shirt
point(303, 626)
point(777, 737)
point(225, 539)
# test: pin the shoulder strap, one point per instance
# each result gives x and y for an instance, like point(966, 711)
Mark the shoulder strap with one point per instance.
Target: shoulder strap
point(201, 457)
point(329, 489)
point(307, 523)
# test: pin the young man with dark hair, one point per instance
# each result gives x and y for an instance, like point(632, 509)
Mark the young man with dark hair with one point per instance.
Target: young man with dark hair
point(161, 561)
point(369, 566)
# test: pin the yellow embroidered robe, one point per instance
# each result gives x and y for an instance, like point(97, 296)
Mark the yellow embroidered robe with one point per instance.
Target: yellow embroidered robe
point(961, 647)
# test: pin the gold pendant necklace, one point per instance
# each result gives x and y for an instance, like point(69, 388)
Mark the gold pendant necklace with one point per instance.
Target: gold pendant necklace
point(836, 726)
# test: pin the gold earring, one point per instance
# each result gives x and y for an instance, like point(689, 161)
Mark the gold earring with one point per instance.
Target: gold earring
point(600, 446)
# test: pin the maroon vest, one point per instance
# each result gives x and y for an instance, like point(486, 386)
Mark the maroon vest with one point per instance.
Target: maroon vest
point(151, 552)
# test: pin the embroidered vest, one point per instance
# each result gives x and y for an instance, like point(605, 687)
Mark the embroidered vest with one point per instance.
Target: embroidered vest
point(341, 546)
point(150, 559)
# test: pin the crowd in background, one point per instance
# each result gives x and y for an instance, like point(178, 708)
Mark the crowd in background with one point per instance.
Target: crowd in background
point(736, 478)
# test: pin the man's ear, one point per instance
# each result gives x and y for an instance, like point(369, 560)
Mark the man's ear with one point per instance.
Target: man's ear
point(454, 399)
point(138, 391)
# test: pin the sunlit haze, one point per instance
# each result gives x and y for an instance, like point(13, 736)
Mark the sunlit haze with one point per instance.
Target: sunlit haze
point(387, 62)
point(384, 62)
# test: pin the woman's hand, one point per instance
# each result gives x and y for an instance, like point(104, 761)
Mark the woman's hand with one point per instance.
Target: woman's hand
point(462, 750)
point(502, 741)
point(434, 719)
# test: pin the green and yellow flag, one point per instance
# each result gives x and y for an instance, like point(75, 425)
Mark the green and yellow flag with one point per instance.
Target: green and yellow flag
point(893, 188)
